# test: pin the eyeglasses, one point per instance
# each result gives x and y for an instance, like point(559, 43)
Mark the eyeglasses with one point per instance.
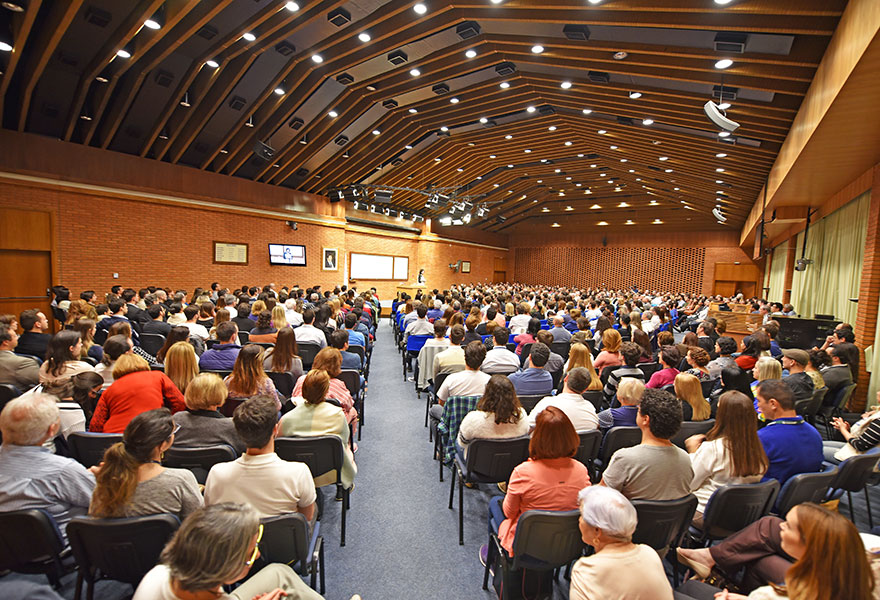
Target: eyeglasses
point(256, 547)
point(176, 429)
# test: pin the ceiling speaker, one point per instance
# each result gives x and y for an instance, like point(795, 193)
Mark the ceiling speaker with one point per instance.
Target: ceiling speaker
point(718, 117)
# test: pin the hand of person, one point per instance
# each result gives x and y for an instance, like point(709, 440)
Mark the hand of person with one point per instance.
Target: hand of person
point(839, 424)
point(275, 594)
point(95, 469)
point(725, 595)
point(693, 442)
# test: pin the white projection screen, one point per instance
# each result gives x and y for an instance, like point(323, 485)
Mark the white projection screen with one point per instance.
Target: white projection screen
point(378, 266)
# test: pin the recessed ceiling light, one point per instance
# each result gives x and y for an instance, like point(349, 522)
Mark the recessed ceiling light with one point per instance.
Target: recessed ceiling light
point(723, 63)
point(667, 170)
point(471, 144)
point(724, 105)
point(601, 223)
point(635, 95)
point(470, 53)
point(719, 170)
point(250, 37)
point(601, 132)
point(496, 185)
point(420, 8)
point(721, 155)
point(438, 159)
point(212, 63)
point(376, 132)
point(531, 109)
point(647, 121)
point(568, 143)
point(460, 170)
point(555, 225)
point(537, 49)
point(676, 189)
point(551, 128)
point(364, 36)
point(453, 100)
point(509, 166)
point(484, 120)
point(719, 181)
point(540, 181)
point(415, 72)
point(568, 178)
point(657, 222)
point(619, 55)
point(613, 147)
point(371, 88)
point(333, 114)
point(292, 6)
point(508, 137)
point(623, 204)
point(504, 85)
point(444, 128)
point(595, 1)
point(408, 147)
point(653, 203)
point(565, 85)
point(545, 209)
point(623, 160)
point(663, 158)
point(723, 134)
point(558, 170)
point(595, 206)
point(527, 151)
point(413, 111)
point(317, 58)
point(121, 53)
point(587, 111)
point(589, 191)
point(629, 222)
point(492, 156)
point(224, 151)
point(593, 166)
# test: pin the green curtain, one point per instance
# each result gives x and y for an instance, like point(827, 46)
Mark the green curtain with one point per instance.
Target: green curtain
point(873, 366)
point(836, 244)
point(776, 281)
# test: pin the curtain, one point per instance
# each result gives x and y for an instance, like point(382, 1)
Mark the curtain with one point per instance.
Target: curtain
point(836, 245)
point(776, 281)
point(873, 366)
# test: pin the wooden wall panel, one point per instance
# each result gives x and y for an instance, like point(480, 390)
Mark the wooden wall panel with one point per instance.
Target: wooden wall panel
point(24, 229)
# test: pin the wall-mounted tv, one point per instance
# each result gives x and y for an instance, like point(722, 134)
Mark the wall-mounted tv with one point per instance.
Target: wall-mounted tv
point(287, 254)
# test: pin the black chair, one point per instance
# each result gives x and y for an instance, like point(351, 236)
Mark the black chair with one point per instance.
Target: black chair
point(596, 398)
point(488, 461)
point(264, 345)
point(606, 372)
point(689, 428)
point(561, 348)
point(284, 382)
point(663, 523)
point(352, 380)
point(199, 460)
point(511, 346)
point(806, 487)
point(59, 314)
point(853, 475)
point(648, 369)
point(361, 352)
point(153, 342)
point(615, 439)
point(827, 413)
point(101, 336)
point(118, 549)
point(524, 355)
point(88, 448)
point(732, 507)
point(222, 374)
point(808, 409)
point(707, 386)
point(30, 542)
point(8, 392)
point(588, 449)
point(528, 402)
point(321, 454)
point(286, 539)
point(308, 352)
point(544, 540)
point(243, 337)
point(557, 378)
point(432, 399)
point(209, 344)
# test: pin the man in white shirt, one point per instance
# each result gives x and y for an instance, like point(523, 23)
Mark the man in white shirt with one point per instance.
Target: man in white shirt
point(450, 360)
point(520, 322)
point(470, 382)
point(294, 318)
point(581, 412)
point(593, 314)
point(259, 477)
point(499, 359)
point(420, 325)
point(191, 313)
point(308, 333)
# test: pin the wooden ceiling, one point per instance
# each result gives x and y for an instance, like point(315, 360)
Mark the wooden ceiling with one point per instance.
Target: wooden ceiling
point(575, 157)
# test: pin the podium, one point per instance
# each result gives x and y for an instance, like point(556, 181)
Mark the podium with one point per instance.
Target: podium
point(412, 288)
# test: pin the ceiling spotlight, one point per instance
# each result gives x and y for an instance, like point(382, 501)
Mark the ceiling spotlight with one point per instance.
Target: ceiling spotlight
point(14, 5)
point(527, 151)
point(504, 85)
point(623, 204)
point(333, 114)
point(470, 53)
point(415, 72)
point(601, 223)
point(408, 147)
point(121, 53)
point(508, 137)
point(721, 155)
point(719, 170)
point(587, 111)
point(568, 143)
point(420, 8)
point(376, 132)
point(87, 117)
point(629, 222)
point(492, 156)
point(555, 225)
point(667, 170)
point(531, 109)
point(224, 151)
point(279, 90)
point(248, 36)
point(613, 147)
point(595, 206)
point(509, 166)
point(565, 85)
point(155, 22)
point(317, 58)
point(185, 100)
point(635, 95)
point(249, 122)
point(723, 134)
point(657, 222)
point(212, 63)
point(537, 49)
point(438, 159)
point(619, 55)
point(412, 111)
point(647, 121)
point(724, 105)
point(723, 2)
point(444, 129)
point(292, 6)
point(601, 132)
point(163, 135)
point(364, 36)
point(551, 128)
point(723, 63)
point(484, 120)
point(663, 158)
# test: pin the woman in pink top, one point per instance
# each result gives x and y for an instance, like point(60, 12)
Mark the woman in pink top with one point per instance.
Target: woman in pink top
point(610, 355)
point(529, 337)
point(549, 480)
point(669, 359)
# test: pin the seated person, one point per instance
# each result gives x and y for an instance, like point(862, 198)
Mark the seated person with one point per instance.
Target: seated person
point(792, 445)
point(21, 371)
point(610, 354)
point(724, 347)
point(284, 356)
point(259, 477)
point(62, 358)
point(114, 347)
point(419, 325)
point(499, 359)
point(555, 362)
point(698, 359)
point(202, 424)
point(629, 394)
point(330, 360)
point(30, 475)
point(350, 360)
point(528, 336)
point(428, 351)
point(248, 379)
point(858, 438)
point(243, 321)
point(216, 546)
point(656, 469)
point(689, 391)
point(451, 360)
point(607, 523)
point(580, 411)
point(263, 332)
point(470, 382)
point(559, 333)
point(34, 340)
point(668, 359)
point(132, 481)
point(498, 415)
point(795, 361)
point(533, 380)
point(631, 353)
point(839, 373)
point(191, 313)
point(221, 357)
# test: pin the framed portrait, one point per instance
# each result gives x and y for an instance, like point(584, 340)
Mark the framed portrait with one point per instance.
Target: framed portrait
point(330, 262)
point(465, 266)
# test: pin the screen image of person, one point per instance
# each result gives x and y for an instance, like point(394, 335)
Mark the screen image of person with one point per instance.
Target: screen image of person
point(286, 255)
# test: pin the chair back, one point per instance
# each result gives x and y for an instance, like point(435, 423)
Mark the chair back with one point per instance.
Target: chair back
point(438, 381)
point(284, 382)
point(648, 369)
point(199, 460)
point(606, 372)
point(414, 343)
point(524, 354)
point(511, 346)
point(320, 454)
point(88, 448)
point(101, 337)
point(588, 448)
point(853, 473)
point(153, 342)
point(352, 380)
point(28, 538)
point(528, 402)
point(689, 428)
point(546, 539)
point(264, 345)
point(732, 507)
point(843, 396)
point(285, 538)
point(662, 523)
point(617, 438)
point(596, 397)
point(808, 409)
point(360, 351)
point(805, 487)
point(556, 377)
point(493, 460)
point(120, 549)
point(707, 386)
point(8, 392)
point(308, 352)
point(243, 337)
point(59, 315)
point(561, 348)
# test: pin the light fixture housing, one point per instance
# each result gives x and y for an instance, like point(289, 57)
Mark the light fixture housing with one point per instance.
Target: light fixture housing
point(248, 36)
point(420, 8)
point(724, 63)
point(635, 95)
point(537, 49)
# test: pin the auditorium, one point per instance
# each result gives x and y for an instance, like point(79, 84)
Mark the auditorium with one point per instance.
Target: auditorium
point(604, 274)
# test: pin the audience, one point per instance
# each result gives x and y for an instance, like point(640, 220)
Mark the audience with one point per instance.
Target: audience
point(263, 332)
point(858, 438)
point(669, 359)
point(498, 415)
point(534, 380)
point(560, 333)
point(248, 378)
point(450, 360)
point(157, 323)
point(610, 355)
point(308, 333)
point(698, 359)
point(284, 356)
point(499, 359)
point(818, 360)
point(528, 336)
point(795, 361)
point(221, 357)
point(35, 339)
point(724, 347)
point(329, 360)
point(242, 321)
point(840, 373)
point(202, 424)
point(21, 371)
point(114, 347)
point(62, 359)
point(581, 412)
point(631, 352)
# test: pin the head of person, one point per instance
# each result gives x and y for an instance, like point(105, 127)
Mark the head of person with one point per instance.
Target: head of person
point(558, 321)
point(421, 311)
point(697, 357)
point(471, 323)
point(258, 307)
point(554, 436)
point(578, 379)
point(758, 342)
point(611, 340)
point(670, 357)
point(725, 346)
point(30, 419)
point(181, 365)
point(34, 320)
point(145, 438)
point(819, 359)
point(339, 339)
point(767, 367)
point(191, 312)
point(735, 423)
point(474, 355)
point(330, 360)
point(643, 339)
point(687, 389)
point(630, 391)
point(539, 355)
point(256, 421)
point(286, 350)
point(500, 335)
point(734, 378)
point(606, 516)
point(315, 386)
point(114, 347)
point(659, 413)
point(579, 356)
point(279, 316)
point(456, 334)
point(227, 332)
point(500, 399)
point(775, 398)
point(439, 328)
point(842, 335)
point(64, 346)
point(631, 353)
point(264, 320)
point(247, 372)
point(665, 338)
point(206, 392)
point(129, 363)
point(845, 354)
point(534, 326)
point(116, 306)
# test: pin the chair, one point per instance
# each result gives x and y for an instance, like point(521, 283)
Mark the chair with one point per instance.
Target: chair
point(663, 523)
point(853, 475)
point(557, 377)
point(808, 409)
point(606, 372)
point(596, 397)
point(88, 448)
point(488, 461)
point(524, 355)
point(308, 352)
point(615, 439)
point(361, 352)
point(648, 369)
point(511, 346)
point(101, 336)
point(432, 399)
point(588, 449)
point(414, 343)
point(243, 337)
point(707, 386)
point(59, 315)
point(199, 460)
point(528, 402)
point(264, 345)
point(689, 428)
point(284, 382)
point(153, 342)
point(732, 507)
point(209, 344)
point(8, 392)
point(352, 380)
point(806, 487)
point(118, 549)
point(286, 540)
point(321, 454)
point(544, 540)
point(30, 542)
point(836, 408)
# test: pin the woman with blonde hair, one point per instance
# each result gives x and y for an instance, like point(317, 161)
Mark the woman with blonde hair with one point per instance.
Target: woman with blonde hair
point(279, 317)
point(766, 367)
point(694, 407)
point(257, 308)
point(610, 354)
point(579, 356)
point(202, 424)
point(181, 365)
point(248, 378)
point(221, 316)
point(80, 309)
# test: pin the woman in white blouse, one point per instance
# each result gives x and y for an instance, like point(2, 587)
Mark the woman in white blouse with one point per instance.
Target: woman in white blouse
point(730, 453)
point(498, 415)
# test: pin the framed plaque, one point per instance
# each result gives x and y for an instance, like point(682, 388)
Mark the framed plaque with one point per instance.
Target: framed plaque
point(226, 253)
point(465, 266)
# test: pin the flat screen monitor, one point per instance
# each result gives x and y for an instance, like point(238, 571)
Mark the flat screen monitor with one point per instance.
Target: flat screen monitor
point(286, 254)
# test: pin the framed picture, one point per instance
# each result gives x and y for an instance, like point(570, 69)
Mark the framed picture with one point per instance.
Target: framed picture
point(330, 262)
point(226, 253)
point(465, 266)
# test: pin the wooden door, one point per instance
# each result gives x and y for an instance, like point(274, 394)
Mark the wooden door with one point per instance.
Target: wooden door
point(499, 276)
point(27, 279)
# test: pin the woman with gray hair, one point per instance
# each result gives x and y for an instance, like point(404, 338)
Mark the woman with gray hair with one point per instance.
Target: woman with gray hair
point(607, 523)
point(217, 545)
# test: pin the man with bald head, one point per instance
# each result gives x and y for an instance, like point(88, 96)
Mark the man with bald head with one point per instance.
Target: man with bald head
point(560, 333)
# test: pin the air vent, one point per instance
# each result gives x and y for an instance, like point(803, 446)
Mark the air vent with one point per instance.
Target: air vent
point(599, 77)
point(468, 29)
point(133, 132)
point(163, 78)
point(98, 17)
point(345, 79)
point(729, 93)
point(440, 89)
point(207, 32)
point(50, 110)
point(237, 103)
point(302, 172)
point(731, 42)
point(397, 162)
point(341, 140)
point(397, 58)
point(576, 32)
point(339, 17)
point(389, 104)
point(201, 147)
point(285, 48)
point(263, 150)
point(547, 110)
point(68, 60)
point(625, 121)
point(505, 69)
point(296, 123)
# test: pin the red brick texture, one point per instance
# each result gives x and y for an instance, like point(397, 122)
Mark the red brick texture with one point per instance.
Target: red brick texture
point(869, 295)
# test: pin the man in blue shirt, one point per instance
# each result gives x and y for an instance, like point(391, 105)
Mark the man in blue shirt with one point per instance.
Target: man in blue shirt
point(792, 446)
point(534, 380)
point(355, 338)
point(223, 355)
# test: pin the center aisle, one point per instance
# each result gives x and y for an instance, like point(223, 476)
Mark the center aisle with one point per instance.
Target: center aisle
point(401, 539)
